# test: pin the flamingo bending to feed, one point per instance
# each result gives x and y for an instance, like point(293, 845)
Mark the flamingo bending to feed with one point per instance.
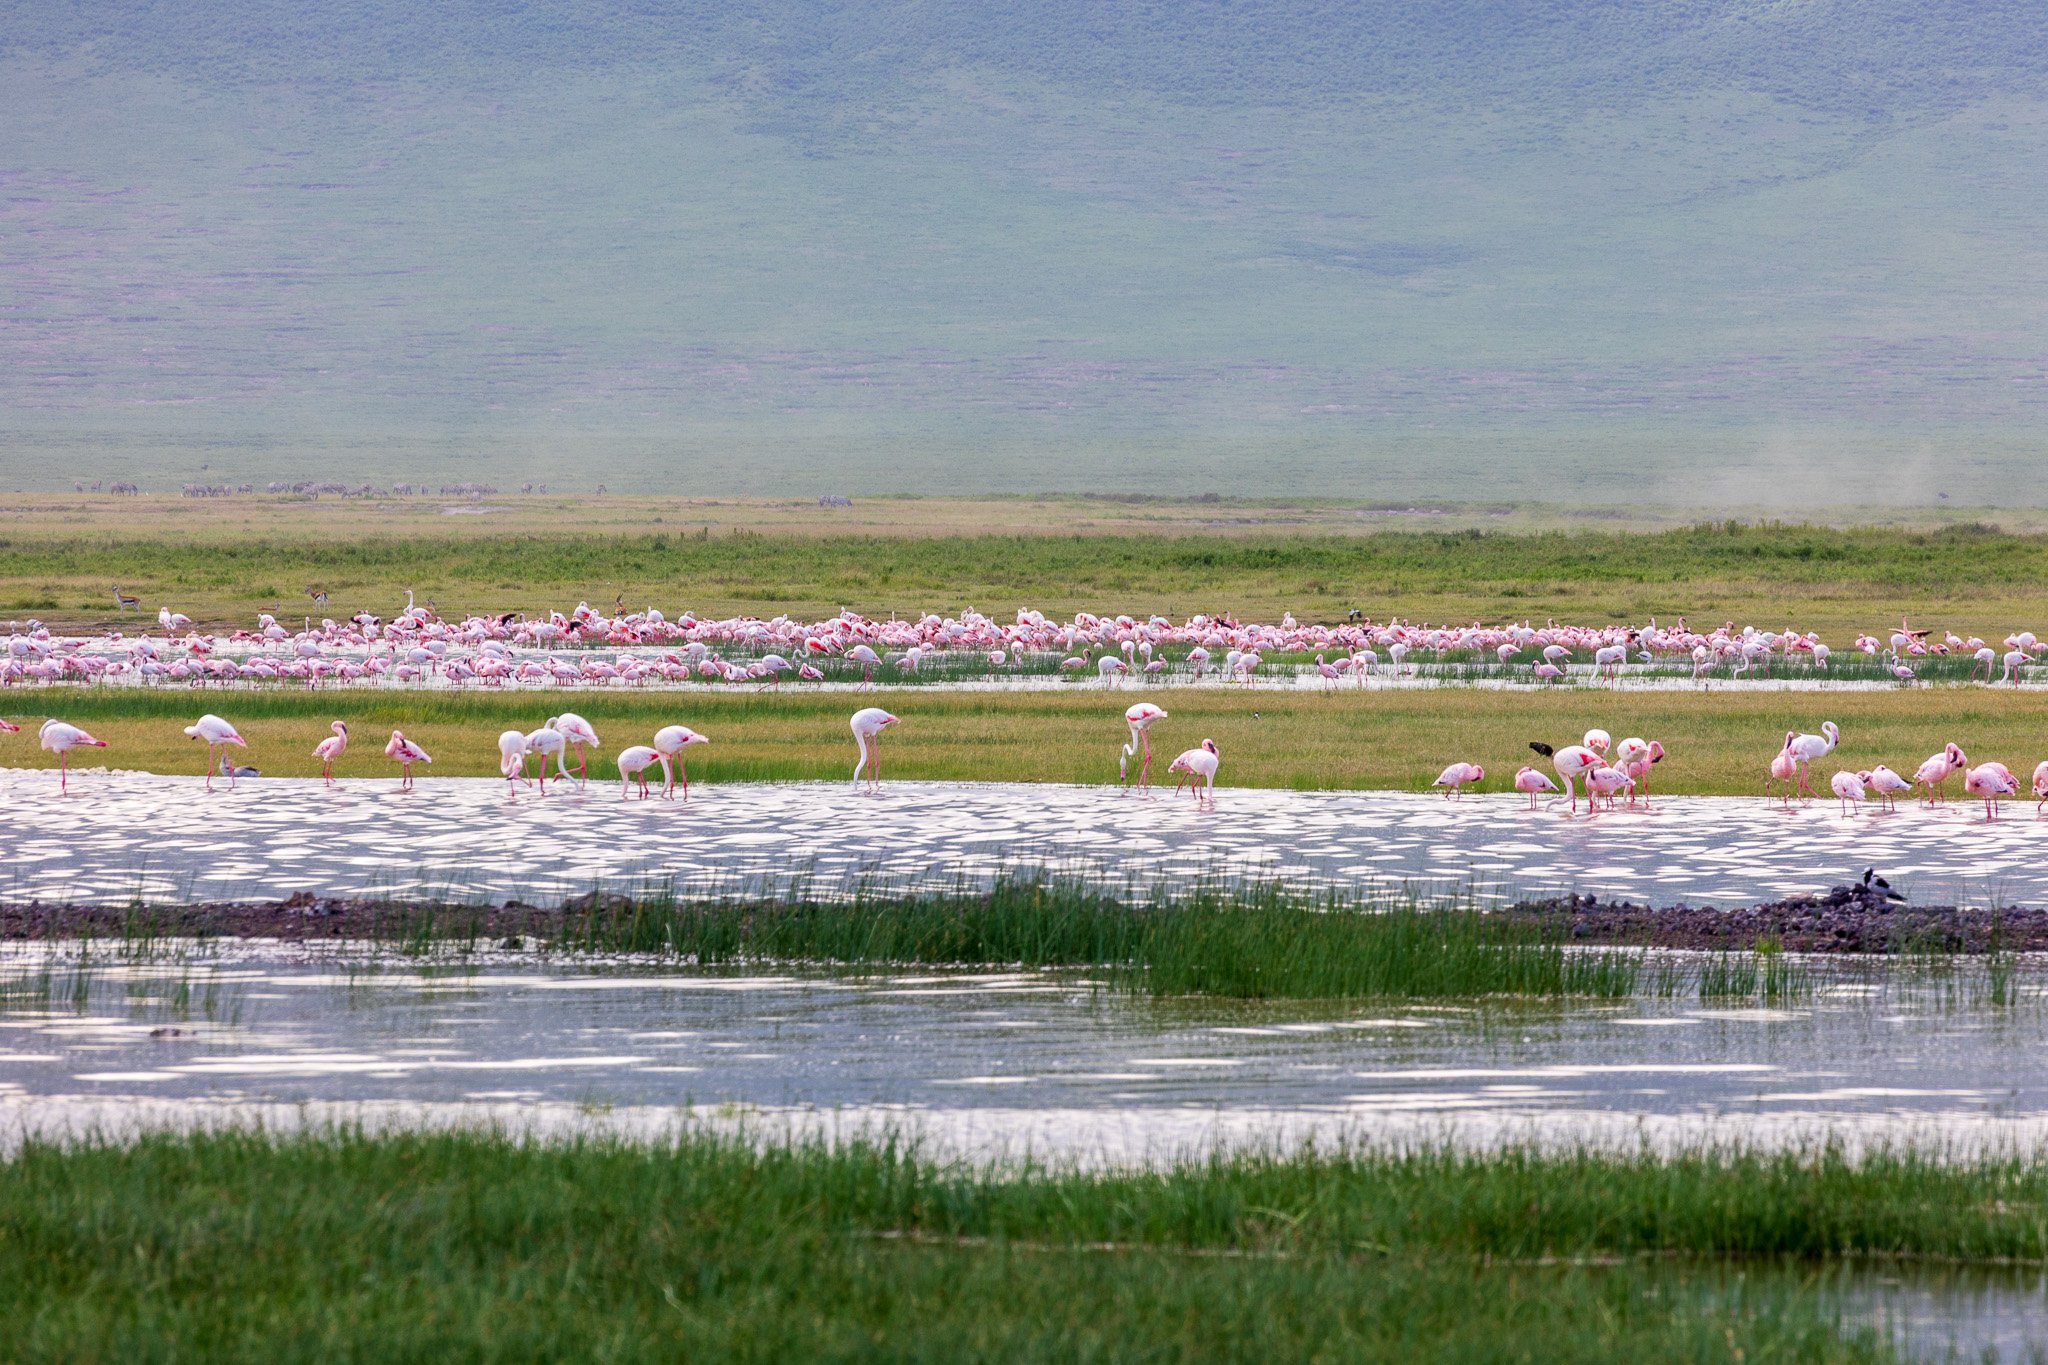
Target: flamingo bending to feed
point(218, 735)
point(1534, 781)
point(1454, 778)
point(868, 660)
point(1197, 768)
point(329, 749)
point(1609, 782)
point(671, 740)
point(1571, 761)
point(60, 739)
point(2040, 787)
point(548, 741)
point(868, 724)
point(1936, 771)
point(576, 733)
point(1991, 781)
point(1139, 718)
point(1887, 784)
point(512, 758)
point(406, 753)
point(1636, 757)
point(634, 761)
point(1848, 787)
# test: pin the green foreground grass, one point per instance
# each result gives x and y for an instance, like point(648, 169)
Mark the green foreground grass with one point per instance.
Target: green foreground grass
point(1719, 742)
point(1969, 578)
point(337, 1246)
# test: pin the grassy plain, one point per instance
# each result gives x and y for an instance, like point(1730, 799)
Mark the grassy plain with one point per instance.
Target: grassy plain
point(415, 1247)
point(223, 561)
point(1719, 741)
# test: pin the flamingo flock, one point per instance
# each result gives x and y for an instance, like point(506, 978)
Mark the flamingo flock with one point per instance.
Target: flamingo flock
point(587, 648)
point(1598, 768)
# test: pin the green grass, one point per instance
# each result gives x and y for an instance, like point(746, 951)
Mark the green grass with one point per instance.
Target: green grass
point(1971, 578)
point(336, 1246)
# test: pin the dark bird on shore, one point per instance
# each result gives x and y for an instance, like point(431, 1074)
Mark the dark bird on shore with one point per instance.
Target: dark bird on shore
point(1873, 882)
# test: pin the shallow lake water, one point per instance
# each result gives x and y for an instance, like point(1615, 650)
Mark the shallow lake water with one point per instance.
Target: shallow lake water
point(166, 839)
point(997, 1065)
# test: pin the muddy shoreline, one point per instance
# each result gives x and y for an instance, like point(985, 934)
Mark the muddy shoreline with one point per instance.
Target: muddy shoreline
point(1847, 919)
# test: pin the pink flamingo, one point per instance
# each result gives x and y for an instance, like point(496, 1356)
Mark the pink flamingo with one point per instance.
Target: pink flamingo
point(218, 734)
point(60, 739)
point(1636, 757)
point(1887, 784)
point(634, 761)
point(1607, 781)
point(2040, 787)
point(547, 741)
point(1139, 718)
point(1936, 771)
point(329, 749)
point(1991, 781)
point(1785, 769)
point(512, 758)
point(1848, 787)
point(1534, 782)
point(1570, 762)
point(868, 660)
point(1198, 771)
point(576, 734)
point(1548, 673)
point(868, 724)
point(671, 740)
point(406, 753)
point(1454, 778)
point(1806, 748)
point(9, 728)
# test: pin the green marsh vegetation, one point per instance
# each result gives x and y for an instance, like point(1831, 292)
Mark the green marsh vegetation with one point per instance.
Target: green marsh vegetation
point(236, 1245)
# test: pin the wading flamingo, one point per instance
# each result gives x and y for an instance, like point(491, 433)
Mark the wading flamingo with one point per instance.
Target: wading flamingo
point(1571, 761)
point(1887, 784)
point(868, 724)
point(548, 742)
point(406, 753)
point(1453, 778)
point(1636, 757)
point(1785, 769)
point(1139, 718)
point(1197, 768)
point(1933, 775)
point(1534, 781)
point(218, 735)
point(512, 758)
point(2040, 787)
point(634, 762)
point(1991, 782)
point(577, 734)
point(1806, 748)
point(329, 749)
point(1609, 782)
point(671, 740)
point(1848, 787)
point(60, 739)
point(868, 660)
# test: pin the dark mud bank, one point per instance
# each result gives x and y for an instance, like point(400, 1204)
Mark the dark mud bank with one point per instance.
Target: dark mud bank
point(1847, 919)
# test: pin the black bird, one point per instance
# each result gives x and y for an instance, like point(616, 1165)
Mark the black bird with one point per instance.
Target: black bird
point(1873, 882)
point(1540, 747)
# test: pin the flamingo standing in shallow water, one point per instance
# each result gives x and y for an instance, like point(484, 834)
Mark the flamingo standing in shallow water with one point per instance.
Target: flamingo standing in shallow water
point(1785, 769)
point(2040, 787)
point(1991, 781)
point(512, 758)
point(634, 761)
point(1887, 784)
point(1197, 768)
point(1534, 781)
point(1636, 757)
point(60, 739)
point(671, 740)
point(329, 749)
point(1806, 748)
point(868, 724)
point(406, 753)
point(218, 734)
point(1454, 778)
point(1934, 774)
point(1139, 718)
point(576, 733)
point(548, 741)
point(1570, 762)
point(1848, 787)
